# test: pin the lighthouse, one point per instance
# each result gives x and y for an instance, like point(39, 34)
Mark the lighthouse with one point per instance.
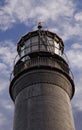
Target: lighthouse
point(42, 85)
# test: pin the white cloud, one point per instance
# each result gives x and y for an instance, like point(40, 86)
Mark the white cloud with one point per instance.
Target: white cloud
point(59, 15)
point(2, 66)
point(77, 46)
point(61, 19)
point(7, 55)
point(6, 20)
point(75, 56)
point(78, 16)
point(36, 10)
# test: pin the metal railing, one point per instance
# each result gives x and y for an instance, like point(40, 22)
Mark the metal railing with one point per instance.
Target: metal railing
point(23, 63)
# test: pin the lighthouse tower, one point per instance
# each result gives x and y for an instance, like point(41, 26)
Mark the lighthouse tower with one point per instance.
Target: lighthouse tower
point(42, 85)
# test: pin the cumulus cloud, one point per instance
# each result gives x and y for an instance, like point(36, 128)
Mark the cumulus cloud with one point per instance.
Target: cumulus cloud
point(75, 56)
point(78, 16)
point(7, 54)
point(77, 46)
point(24, 11)
point(63, 19)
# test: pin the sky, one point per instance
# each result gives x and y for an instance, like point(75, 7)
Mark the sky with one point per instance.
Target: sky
point(18, 17)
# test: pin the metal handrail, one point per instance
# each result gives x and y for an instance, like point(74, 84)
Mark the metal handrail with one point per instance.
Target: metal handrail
point(36, 61)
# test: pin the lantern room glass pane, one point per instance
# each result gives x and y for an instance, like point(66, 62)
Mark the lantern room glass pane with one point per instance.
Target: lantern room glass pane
point(27, 47)
point(34, 40)
point(50, 41)
point(57, 48)
point(35, 47)
point(27, 42)
point(34, 43)
point(43, 47)
point(50, 48)
point(50, 44)
point(22, 52)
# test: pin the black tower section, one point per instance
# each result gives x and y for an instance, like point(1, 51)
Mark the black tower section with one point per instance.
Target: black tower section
point(42, 85)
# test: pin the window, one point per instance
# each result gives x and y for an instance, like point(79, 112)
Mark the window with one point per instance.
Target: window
point(34, 40)
point(27, 42)
point(27, 47)
point(34, 43)
point(50, 44)
point(57, 48)
point(50, 41)
point(22, 52)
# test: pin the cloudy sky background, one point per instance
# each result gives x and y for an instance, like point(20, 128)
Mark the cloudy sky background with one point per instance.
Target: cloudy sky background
point(17, 17)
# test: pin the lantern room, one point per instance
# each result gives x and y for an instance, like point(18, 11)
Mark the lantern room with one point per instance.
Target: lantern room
point(40, 41)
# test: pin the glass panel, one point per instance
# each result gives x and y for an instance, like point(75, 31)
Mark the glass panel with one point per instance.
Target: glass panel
point(57, 51)
point(27, 47)
point(22, 48)
point(35, 47)
point(27, 43)
point(34, 39)
point(50, 41)
point(27, 50)
point(49, 38)
point(22, 53)
point(50, 48)
point(56, 45)
point(43, 47)
point(43, 40)
point(34, 43)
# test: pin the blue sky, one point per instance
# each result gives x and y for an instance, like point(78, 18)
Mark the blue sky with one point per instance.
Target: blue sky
point(17, 17)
